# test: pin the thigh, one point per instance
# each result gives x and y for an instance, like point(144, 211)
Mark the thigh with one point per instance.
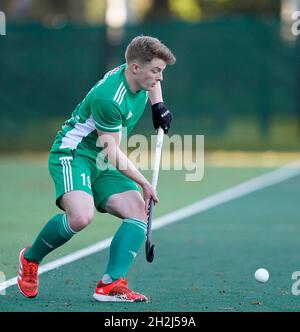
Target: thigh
point(109, 183)
point(78, 203)
point(79, 207)
point(129, 204)
point(69, 173)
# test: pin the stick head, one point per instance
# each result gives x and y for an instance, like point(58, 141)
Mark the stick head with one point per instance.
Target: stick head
point(149, 252)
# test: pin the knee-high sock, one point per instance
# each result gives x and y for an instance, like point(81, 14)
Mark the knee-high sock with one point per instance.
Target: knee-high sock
point(54, 234)
point(124, 247)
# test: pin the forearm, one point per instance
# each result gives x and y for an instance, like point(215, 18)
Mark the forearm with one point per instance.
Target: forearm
point(155, 95)
point(161, 116)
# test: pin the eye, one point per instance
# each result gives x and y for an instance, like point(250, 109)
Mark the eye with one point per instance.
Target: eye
point(155, 70)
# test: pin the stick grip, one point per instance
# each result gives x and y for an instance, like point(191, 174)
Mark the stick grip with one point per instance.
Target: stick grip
point(149, 224)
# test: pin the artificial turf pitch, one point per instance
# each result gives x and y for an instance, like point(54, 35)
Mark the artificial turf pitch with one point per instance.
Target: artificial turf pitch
point(205, 262)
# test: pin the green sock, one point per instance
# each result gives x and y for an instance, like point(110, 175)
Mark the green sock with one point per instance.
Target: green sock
point(124, 247)
point(54, 234)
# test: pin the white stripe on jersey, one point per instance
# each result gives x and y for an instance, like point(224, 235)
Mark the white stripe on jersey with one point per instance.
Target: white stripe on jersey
point(117, 93)
point(123, 90)
point(73, 137)
point(118, 97)
point(122, 97)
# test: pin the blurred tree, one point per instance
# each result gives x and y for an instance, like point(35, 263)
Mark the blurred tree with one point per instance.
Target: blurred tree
point(253, 7)
point(194, 10)
point(4, 5)
point(137, 10)
point(159, 10)
point(45, 10)
point(71, 10)
point(16, 9)
point(188, 10)
point(95, 11)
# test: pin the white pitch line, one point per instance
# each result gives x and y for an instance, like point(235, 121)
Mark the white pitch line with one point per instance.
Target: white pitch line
point(265, 180)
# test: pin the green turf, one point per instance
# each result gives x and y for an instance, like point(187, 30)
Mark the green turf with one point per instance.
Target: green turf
point(202, 263)
point(27, 202)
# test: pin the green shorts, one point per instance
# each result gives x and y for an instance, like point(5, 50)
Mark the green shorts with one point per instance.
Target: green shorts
point(71, 171)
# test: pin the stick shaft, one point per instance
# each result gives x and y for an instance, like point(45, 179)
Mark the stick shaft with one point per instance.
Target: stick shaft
point(157, 157)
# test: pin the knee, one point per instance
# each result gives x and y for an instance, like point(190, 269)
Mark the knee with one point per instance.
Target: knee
point(138, 212)
point(79, 221)
point(127, 205)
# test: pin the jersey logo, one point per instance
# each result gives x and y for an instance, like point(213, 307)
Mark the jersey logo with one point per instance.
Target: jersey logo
point(129, 115)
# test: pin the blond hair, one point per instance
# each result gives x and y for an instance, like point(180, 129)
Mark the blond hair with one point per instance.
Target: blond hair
point(145, 48)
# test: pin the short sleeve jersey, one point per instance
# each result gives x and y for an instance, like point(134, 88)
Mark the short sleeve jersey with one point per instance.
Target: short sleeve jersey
point(109, 106)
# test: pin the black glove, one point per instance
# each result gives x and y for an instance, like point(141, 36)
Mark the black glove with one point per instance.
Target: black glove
point(161, 117)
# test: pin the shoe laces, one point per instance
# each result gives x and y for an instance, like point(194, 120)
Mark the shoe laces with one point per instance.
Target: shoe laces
point(123, 281)
point(120, 284)
point(120, 288)
point(30, 270)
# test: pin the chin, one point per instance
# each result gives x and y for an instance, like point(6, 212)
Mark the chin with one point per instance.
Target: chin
point(150, 88)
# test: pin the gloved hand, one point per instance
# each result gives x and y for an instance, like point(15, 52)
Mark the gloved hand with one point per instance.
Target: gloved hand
point(161, 117)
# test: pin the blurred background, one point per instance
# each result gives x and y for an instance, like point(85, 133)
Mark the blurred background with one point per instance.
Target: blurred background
point(235, 81)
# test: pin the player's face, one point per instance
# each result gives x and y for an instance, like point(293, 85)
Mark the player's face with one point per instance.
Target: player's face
point(150, 73)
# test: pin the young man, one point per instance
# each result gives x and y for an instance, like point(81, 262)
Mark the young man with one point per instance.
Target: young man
point(93, 131)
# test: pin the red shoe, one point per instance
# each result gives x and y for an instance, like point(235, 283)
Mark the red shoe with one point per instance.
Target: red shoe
point(28, 280)
point(117, 291)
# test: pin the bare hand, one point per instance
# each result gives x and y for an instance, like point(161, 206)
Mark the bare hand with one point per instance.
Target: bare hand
point(149, 192)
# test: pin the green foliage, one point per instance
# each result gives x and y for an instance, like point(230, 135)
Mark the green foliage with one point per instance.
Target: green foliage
point(228, 72)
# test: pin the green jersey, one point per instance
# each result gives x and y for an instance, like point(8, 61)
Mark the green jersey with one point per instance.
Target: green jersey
point(109, 106)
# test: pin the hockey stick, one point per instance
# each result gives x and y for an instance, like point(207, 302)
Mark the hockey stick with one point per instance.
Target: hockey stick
point(158, 148)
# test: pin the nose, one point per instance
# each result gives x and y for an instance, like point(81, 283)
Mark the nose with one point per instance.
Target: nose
point(160, 77)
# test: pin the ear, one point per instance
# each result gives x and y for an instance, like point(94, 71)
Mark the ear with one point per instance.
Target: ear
point(134, 67)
